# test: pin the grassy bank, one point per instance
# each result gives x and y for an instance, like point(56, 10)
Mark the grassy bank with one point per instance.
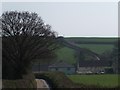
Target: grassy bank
point(98, 48)
point(106, 80)
point(28, 82)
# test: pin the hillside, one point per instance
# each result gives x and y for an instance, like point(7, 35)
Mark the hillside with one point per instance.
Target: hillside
point(102, 40)
point(97, 45)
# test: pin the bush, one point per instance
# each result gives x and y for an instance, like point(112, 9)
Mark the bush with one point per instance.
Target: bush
point(27, 82)
point(55, 79)
point(109, 70)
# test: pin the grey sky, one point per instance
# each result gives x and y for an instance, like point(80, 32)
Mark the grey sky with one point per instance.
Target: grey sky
point(74, 19)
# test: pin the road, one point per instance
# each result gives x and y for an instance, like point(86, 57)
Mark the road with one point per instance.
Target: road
point(42, 84)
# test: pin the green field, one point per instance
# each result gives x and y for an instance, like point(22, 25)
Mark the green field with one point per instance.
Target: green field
point(99, 49)
point(68, 54)
point(99, 80)
point(92, 39)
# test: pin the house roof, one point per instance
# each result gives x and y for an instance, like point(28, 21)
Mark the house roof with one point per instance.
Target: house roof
point(94, 63)
point(61, 64)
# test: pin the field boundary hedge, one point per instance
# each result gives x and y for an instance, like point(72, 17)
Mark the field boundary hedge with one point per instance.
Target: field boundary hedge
point(28, 83)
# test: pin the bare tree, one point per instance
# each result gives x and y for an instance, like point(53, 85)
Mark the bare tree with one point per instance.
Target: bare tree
point(25, 38)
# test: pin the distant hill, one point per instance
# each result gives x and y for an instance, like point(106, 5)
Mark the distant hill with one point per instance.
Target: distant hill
point(92, 40)
point(97, 45)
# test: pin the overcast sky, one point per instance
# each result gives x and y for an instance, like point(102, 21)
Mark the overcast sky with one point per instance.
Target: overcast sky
point(71, 19)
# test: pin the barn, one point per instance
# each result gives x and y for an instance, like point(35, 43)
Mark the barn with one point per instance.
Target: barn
point(92, 66)
point(62, 66)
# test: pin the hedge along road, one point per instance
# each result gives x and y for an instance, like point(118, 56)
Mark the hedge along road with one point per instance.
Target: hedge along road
point(41, 83)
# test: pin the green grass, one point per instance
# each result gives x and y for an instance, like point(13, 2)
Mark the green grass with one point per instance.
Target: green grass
point(106, 80)
point(99, 49)
point(92, 39)
point(66, 54)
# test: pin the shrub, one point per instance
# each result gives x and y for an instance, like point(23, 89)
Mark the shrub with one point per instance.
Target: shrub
point(56, 79)
point(27, 82)
point(109, 70)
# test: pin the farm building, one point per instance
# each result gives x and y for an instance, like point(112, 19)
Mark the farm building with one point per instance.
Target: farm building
point(63, 67)
point(94, 66)
point(91, 66)
point(58, 66)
